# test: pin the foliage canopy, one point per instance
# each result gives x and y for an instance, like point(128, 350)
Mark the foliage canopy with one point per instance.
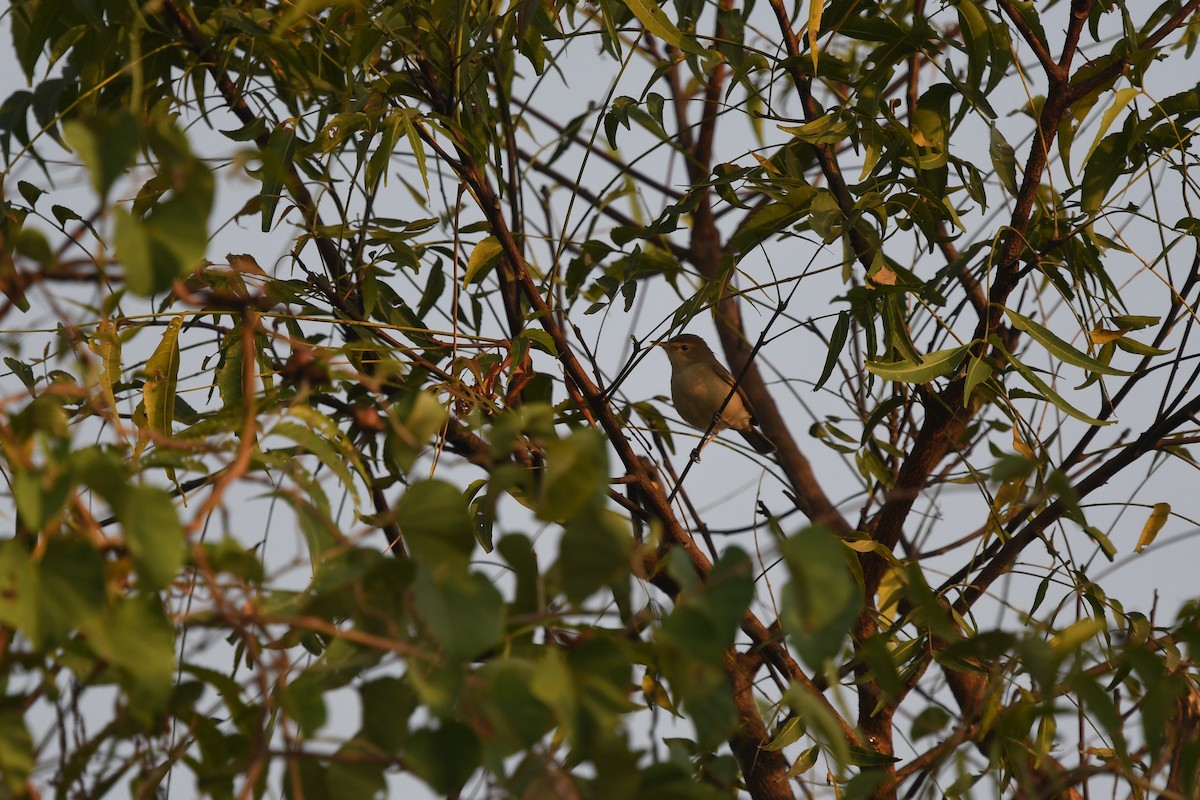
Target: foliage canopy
point(949, 250)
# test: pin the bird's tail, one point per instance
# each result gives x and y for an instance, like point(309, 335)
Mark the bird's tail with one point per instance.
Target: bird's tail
point(759, 442)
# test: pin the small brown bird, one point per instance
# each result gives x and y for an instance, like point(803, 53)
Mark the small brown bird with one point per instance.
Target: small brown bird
point(700, 384)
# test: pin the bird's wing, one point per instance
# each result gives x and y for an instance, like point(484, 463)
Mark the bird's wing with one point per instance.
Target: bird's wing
point(728, 378)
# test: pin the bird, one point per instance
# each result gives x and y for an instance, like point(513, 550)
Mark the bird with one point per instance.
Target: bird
point(700, 384)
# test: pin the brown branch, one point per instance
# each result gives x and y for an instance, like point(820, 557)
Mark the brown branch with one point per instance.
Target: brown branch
point(233, 99)
point(1000, 563)
point(593, 399)
point(826, 157)
point(248, 436)
point(624, 168)
point(597, 202)
point(1053, 69)
point(765, 771)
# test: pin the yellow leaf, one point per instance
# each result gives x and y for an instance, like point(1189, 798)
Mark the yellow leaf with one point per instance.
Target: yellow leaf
point(884, 276)
point(1158, 518)
point(815, 9)
point(106, 344)
point(162, 375)
point(766, 164)
point(655, 693)
point(245, 263)
point(920, 139)
point(482, 257)
point(1020, 446)
point(1104, 336)
point(658, 24)
point(891, 590)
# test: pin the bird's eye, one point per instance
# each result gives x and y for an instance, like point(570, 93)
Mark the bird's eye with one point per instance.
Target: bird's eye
point(684, 347)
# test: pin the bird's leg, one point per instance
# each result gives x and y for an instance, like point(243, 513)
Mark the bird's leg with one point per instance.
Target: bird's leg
point(712, 435)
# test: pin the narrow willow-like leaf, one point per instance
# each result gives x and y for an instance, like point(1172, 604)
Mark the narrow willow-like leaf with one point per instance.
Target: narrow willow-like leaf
point(229, 370)
point(978, 371)
point(482, 257)
point(163, 370)
point(837, 341)
point(1053, 396)
point(815, 9)
point(1059, 348)
point(1154, 523)
point(1121, 99)
point(106, 344)
point(659, 25)
point(933, 365)
point(1140, 348)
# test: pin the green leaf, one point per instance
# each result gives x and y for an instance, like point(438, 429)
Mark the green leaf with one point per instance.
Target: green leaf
point(106, 144)
point(311, 507)
point(1059, 348)
point(657, 24)
point(166, 236)
point(978, 371)
point(804, 762)
point(576, 478)
point(837, 341)
point(1101, 171)
point(320, 436)
point(822, 599)
point(138, 640)
point(483, 257)
point(307, 779)
point(706, 616)
point(1121, 98)
point(830, 128)
point(303, 700)
point(820, 722)
point(248, 132)
point(30, 192)
point(355, 773)
point(436, 524)
point(387, 703)
point(462, 610)
point(444, 757)
point(788, 734)
point(23, 371)
point(16, 749)
point(1134, 322)
point(1051, 395)
point(154, 535)
point(594, 552)
point(229, 370)
point(517, 719)
point(378, 163)
point(132, 240)
point(71, 588)
point(976, 38)
point(929, 722)
point(409, 118)
point(772, 219)
point(826, 216)
point(276, 166)
point(20, 595)
point(408, 437)
point(106, 345)
point(158, 392)
point(1102, 541)
point(1004, 160)
point(1130, 345)
point(932, 365)
point(932, 116)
